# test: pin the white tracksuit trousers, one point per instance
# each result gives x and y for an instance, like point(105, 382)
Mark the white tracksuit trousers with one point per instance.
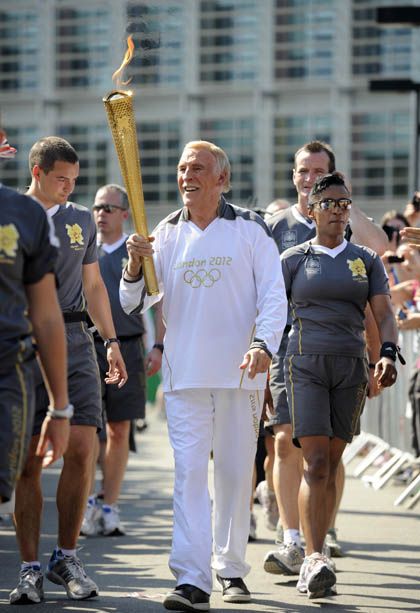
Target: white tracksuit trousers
point(227, 422)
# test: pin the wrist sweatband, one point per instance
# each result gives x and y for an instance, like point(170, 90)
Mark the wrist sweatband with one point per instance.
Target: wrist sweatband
point(392, 351)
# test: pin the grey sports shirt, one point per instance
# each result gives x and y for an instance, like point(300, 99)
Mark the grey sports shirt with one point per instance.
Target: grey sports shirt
point(76, 231)
point(328, 297)
point(111, 265)
point(26, 255)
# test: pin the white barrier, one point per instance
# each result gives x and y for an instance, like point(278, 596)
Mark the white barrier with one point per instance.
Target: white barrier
point(386, 430)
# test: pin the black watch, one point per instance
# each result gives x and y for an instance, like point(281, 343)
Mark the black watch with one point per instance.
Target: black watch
point(108, 341)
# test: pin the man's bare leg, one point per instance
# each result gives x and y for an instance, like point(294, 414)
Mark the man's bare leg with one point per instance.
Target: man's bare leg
point(287, 473)
point(73, 487)
point(115, 459)
point(28, 505)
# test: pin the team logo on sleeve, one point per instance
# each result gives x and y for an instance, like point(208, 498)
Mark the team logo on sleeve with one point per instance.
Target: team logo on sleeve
point(75, 234)
point(9, 240)
point(358, 269)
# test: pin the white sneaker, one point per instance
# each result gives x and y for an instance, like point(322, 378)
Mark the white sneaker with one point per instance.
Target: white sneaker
point(111, 525)
point(91, 524)
point(287, 560)
point(316, 575)
point(267, 500)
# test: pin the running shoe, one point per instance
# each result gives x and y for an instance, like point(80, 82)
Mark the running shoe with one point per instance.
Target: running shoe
point(29, 589)
point(287, 560)
point(68, 571)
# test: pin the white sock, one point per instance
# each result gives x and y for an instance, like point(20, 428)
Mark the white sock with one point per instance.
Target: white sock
point(66, 552)
point(26, 565)
point(292, 536)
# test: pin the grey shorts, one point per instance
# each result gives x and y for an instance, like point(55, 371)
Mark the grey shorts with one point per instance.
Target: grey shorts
point(326, 394)
point(17, 406)
point(83, 381)
point(280, 414)
point(129, 401)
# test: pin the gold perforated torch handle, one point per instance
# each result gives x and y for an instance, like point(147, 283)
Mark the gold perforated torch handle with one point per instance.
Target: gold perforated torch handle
point(119, 108)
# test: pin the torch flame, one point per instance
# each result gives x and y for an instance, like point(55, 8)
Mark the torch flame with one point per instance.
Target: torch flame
point(117, 76)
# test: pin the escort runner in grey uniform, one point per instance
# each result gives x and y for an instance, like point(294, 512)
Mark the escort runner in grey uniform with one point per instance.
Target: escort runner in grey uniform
point(76, 232)
point(120, 406)
point(129, 401)
point(54, 167)
point(329, 283)
point(328, 302)
point(26, 255)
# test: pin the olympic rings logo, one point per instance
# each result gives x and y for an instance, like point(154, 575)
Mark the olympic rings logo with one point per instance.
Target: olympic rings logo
point(202, 278)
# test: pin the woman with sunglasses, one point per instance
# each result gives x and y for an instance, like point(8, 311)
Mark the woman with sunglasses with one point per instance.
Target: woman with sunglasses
point(329, 282)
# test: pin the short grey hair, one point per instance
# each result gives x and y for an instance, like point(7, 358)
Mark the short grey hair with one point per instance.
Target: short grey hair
point(120, 190)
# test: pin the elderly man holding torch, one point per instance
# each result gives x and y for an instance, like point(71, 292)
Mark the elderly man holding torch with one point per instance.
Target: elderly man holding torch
point(225, 309)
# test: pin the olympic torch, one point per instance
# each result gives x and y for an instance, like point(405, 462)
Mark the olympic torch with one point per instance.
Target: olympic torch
point(119, 108)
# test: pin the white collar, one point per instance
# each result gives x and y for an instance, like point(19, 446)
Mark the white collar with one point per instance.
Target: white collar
point(52, 210)
point(331, 252)
point(300, 218)
point(110, 248)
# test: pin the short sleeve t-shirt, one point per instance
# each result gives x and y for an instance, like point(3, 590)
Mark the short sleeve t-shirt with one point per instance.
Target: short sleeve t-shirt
point(328, 296)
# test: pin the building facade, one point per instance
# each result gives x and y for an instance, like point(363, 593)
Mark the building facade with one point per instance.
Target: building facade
point(258, 77)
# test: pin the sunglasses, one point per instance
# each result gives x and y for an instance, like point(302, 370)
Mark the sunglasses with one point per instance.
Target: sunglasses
point(328, 204)
point(108, 208)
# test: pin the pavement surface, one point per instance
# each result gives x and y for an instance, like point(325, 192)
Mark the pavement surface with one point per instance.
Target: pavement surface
point(379, 573)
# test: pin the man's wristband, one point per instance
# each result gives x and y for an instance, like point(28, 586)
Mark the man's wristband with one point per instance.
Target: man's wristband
point(108, 341)
point(159, 346)
point(391, 351)
point(372, 365)
point(66, 413)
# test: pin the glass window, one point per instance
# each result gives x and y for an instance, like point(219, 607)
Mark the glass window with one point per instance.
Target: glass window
point(157, 30)
point(19, 47)
point(230, 34)
point(305, 39)
point(159, 146)
point(378, 50)
point(380, 154)
point(82, 46)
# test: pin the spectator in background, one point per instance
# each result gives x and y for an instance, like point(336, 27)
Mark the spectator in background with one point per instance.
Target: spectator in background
point(120, 406)
point(279, 204)
point(392, 223)
point(412, 210)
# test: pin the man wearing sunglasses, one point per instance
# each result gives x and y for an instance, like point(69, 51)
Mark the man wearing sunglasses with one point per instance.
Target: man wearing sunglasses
point(121, 406)
point(290, 228)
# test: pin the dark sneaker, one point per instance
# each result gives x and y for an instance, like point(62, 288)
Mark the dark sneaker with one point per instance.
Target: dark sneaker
point(68, 571)
point(234, 589)
point(29, 589)
point(187, 597)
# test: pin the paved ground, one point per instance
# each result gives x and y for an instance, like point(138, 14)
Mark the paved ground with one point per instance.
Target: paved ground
point(380, 572)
